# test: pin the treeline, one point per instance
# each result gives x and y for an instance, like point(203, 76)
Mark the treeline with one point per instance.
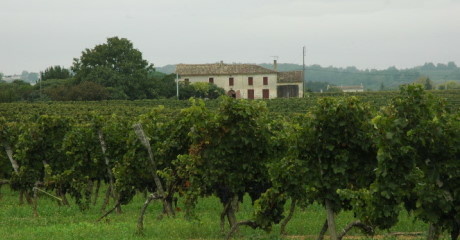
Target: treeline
point(343, 154)
point(111, 71)
point(372, 79)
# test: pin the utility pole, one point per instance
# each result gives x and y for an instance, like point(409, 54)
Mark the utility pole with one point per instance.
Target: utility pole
point(177, 85)
point(303, 73)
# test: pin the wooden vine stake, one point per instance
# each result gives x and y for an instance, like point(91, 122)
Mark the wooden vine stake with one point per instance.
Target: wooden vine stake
point(146, 143)
point(107, 164)
point(9, 152)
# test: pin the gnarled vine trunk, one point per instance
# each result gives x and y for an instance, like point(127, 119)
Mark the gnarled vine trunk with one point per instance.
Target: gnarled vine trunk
point(331, 220)
point(288, 218)
point(433, 232)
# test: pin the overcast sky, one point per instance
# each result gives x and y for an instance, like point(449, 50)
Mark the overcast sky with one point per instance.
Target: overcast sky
point(36, 34)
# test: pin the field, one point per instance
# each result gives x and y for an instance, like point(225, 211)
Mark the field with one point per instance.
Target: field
point(269, 150)
point(132, 109)
point(54, 222)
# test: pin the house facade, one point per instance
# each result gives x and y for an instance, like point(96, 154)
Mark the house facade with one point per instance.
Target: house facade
point(246, 81)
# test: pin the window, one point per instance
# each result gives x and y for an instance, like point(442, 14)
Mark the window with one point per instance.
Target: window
point(265, 80)
point(211, 80)
point(186, 81)
point(265, 93)
point(250, 81)
point(250, 93)
point(230, 81)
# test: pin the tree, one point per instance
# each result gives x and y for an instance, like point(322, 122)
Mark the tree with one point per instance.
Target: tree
point(425, 82)
point(115, 64)
point(17, 90)
point(449, 85)
point(24, 75)
point(163, 85)
point(451, 65)
point(88, 91)
point(317, 86)
point(55, 72)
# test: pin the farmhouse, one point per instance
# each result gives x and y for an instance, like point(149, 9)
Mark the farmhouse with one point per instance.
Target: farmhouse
point(247, 81)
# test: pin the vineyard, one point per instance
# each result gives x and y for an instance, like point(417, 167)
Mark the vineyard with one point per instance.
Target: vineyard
point(354, 163)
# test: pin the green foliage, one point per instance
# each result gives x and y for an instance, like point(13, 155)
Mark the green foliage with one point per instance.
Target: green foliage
point(8, 136)
point(85, 91)
point(39, 144)
point(449, 85)
point(336, 146)
point(55, 72)
point(425, 82)
point(168, 138)
point(330, 150)
point(200, 90)
point(134, 171)
point(231, 147)
point(229, 151)
point(317, 86)
point(163, 86)
point(417, 159)
point(84, 163)
point(115, 64)
point(269, 208)
point(16, 91)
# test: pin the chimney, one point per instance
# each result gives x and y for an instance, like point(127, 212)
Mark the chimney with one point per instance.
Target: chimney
point(275, 65)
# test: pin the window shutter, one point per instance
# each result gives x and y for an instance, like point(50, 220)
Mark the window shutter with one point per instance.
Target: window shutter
point(250, 81)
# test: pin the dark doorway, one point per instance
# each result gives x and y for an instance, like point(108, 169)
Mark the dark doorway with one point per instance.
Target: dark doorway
point(287, 91)
point(231, 93)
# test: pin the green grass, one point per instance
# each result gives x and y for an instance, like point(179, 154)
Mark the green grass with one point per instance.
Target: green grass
point(55, 222)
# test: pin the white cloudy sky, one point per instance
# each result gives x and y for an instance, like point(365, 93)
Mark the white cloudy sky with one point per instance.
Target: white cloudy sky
point(35, 34)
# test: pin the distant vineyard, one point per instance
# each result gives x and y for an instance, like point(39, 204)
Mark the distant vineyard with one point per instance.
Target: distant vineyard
point(135, 108)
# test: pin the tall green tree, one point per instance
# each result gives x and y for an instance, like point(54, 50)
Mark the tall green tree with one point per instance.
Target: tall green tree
point(55, 72)
point(116, 64)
